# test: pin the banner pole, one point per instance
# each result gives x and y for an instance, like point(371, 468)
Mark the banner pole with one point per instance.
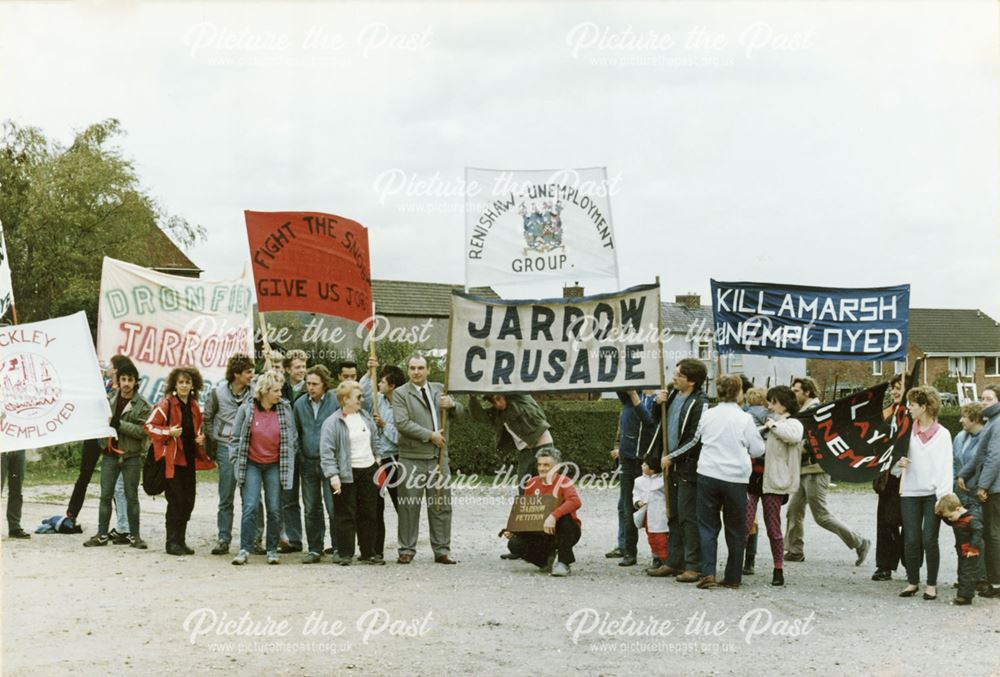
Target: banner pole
point(444, 416)
point(663, 386)
point(371, 354)
point(13, 312)
point(263, 339)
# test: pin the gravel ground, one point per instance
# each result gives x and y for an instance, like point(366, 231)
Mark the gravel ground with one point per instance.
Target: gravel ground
point(116, 610)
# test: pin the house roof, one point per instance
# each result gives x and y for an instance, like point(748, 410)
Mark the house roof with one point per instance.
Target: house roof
point(949, 330)
point(166, 256)
point(679, 319)
point(420, 299)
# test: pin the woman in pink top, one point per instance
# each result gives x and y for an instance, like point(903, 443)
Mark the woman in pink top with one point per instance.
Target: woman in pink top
point(926, 476)
point(265, 442)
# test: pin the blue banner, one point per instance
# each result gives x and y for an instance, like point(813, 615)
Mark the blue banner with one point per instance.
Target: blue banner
point(811, 322)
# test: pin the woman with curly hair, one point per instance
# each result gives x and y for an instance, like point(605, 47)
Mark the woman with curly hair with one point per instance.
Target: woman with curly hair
point(175, 430)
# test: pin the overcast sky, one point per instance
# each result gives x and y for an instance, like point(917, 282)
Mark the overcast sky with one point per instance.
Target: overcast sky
point(835, 144)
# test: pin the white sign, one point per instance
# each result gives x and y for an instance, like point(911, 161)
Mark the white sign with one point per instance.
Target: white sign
point(594, 343)
point(523, 226)
point(6, 287)
point(51, 387)
point(164, 321)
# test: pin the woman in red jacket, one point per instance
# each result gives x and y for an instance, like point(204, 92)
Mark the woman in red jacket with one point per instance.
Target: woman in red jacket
point(553, 548)
point(174, 428)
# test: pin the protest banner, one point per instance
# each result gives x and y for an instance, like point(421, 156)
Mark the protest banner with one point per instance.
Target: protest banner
point(6, 287)
point(811, 322)
point(528, 513)
point(51, 388)
point(523, 226)
point(851, 438)
point(312, 262)
point(164, 321)
point(593, 343)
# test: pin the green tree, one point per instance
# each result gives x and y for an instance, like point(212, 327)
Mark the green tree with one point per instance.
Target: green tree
point(64, 208)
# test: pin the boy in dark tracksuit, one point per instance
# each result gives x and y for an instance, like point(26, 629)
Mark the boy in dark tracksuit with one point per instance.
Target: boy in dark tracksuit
point(968, 526)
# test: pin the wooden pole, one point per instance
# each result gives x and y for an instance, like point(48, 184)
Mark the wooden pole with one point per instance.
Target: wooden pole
point(263, 339)
point(371, 354)
point(663, 386)
point(13, 312)
point(444, 416)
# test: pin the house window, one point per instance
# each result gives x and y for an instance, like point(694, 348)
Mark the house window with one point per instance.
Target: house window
point(704, 350)
point(962, 366)
point(993, 366)
point(877, 367)
point(735, 363)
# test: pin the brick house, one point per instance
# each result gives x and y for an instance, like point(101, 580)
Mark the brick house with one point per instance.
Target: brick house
point(953, 342)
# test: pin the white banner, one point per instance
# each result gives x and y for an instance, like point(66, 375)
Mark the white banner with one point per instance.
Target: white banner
point(595, 343)
point(164, 321)
point(6, 287)
point(51, 387)
point(522, 226)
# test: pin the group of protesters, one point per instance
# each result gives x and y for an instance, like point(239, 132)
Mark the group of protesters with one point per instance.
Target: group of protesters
point(332, 451)
point(751, 449)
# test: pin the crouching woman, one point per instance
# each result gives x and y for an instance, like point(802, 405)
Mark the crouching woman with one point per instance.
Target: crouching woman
point(562, 529)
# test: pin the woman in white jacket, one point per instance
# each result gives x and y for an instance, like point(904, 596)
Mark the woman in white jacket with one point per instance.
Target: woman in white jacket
point(926, 476)
point(780, 476)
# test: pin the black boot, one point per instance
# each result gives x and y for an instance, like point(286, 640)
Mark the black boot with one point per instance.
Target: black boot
point(182, 539)
point(779, 577)
point(173, 547)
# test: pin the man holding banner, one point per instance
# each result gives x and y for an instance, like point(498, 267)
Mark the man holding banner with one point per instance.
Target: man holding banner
point(417, 407)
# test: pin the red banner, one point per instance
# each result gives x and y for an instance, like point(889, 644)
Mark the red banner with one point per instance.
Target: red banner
point(312, 262)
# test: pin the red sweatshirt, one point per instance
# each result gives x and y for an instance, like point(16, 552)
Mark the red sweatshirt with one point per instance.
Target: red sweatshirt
point(562, 488)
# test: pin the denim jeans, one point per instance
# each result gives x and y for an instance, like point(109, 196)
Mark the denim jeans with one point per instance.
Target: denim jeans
point(631, 469)
point(920, 537)
point(227, 490)
point(121, 505)
point(731, 497)
point(113, 469)
point(268, 476)
point(314, 490)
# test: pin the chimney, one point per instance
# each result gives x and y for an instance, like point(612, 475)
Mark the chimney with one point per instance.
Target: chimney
point(689, 301)
point(575, 291)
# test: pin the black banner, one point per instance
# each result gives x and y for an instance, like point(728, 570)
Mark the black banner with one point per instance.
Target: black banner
point(851, 438)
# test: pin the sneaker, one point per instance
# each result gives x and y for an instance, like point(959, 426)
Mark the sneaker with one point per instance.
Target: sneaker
point(221, 548)
point(117, 538)
point(615, 554)
point(19, 533)
point(862, 551)
point(241, 557)
point(628, 561)
point(311, 558)
point(342, 561)
point(96, 540)
point(799, 557)
point(272, 557)
point(560, 569)
point(137, 543)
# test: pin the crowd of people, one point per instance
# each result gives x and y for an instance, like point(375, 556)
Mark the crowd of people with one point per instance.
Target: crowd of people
point(332, 450)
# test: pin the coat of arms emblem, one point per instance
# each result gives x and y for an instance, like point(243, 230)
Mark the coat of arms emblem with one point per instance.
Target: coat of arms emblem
point(543, 229)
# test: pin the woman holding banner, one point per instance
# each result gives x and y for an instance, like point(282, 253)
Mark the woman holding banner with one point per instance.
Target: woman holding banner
point(265, 442)
point(926, 476)
point(174, 428)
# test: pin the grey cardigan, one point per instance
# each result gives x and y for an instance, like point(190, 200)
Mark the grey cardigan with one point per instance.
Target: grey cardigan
point(335, 446)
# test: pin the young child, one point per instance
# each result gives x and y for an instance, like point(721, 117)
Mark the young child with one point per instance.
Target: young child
point(651, 512)
point(968, 526)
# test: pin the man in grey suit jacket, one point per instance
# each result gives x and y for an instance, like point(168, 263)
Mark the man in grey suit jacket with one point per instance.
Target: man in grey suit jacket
point(417, 407)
